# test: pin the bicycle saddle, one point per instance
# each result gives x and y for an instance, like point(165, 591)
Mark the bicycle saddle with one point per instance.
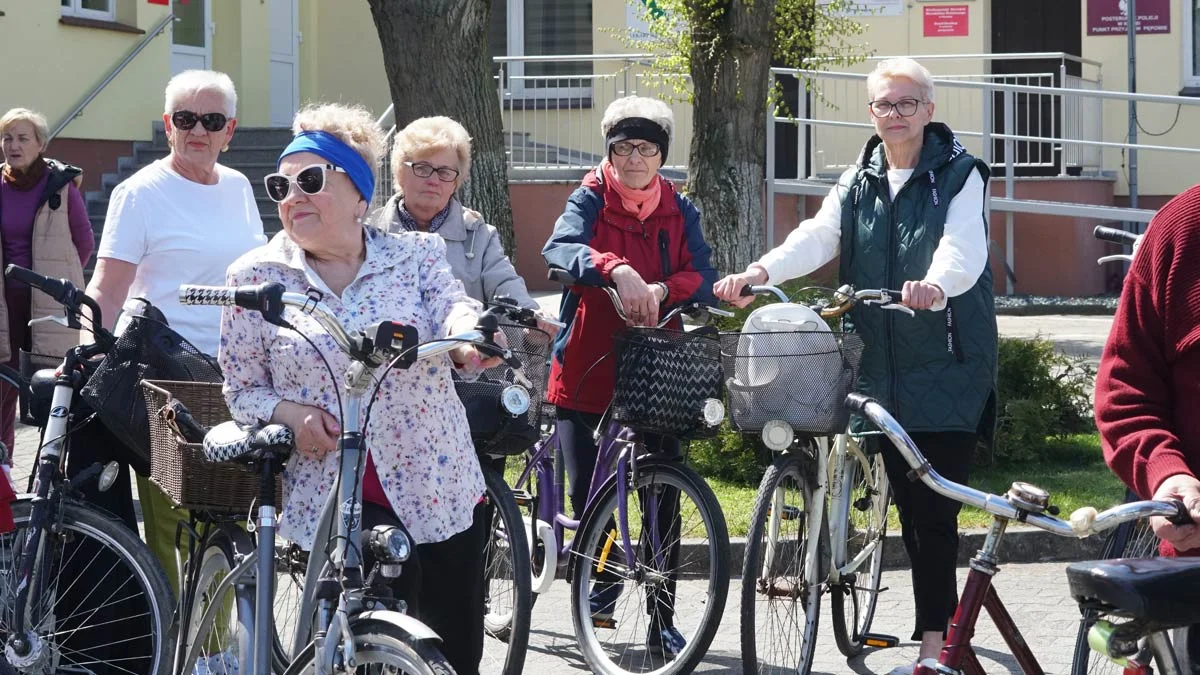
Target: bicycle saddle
point(1165, 591)
point(232, 442)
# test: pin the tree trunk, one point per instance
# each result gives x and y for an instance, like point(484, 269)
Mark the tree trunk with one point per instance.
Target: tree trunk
point(726, 168)
point(436, 58)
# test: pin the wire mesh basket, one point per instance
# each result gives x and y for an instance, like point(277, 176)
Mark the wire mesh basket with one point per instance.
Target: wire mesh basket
point(664, 378)
point(801, 378)
point(180, 468)
point(493, 429)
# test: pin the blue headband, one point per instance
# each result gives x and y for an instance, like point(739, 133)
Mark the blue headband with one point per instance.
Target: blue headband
point(330, 147)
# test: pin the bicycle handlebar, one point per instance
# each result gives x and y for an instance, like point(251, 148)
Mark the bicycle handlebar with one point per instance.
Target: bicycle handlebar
point(1082, 523)
point(692, 309)
point(1115, 236)
point(64, 293)
point(845, 296)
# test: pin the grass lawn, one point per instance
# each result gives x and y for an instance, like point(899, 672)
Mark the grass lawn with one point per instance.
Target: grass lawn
point(1072, 470)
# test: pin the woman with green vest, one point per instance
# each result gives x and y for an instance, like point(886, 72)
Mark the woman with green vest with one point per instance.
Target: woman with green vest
point(911, 215)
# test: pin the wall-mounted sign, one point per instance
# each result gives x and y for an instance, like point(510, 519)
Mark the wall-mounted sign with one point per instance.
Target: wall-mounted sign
point(1108, 17)
point(870, 7)
point(946, 20)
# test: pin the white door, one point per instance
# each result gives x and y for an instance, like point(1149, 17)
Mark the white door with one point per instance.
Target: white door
point(285, 52)
point(191, 36)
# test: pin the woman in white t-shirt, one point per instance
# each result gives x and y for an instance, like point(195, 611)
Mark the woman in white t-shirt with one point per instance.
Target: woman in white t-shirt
point(181, 220)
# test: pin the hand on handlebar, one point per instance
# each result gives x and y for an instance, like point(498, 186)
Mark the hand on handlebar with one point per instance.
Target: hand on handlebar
point(730, 288)
point(1186, 489)
point(921, 294)
point(639, 300)
point(546, 323)
point(469, 356)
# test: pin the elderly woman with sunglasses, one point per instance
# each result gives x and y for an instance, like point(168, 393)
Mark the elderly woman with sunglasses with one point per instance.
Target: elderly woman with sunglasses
point(431, 159)
point(180, 220)
point(910, 214)
point(421, 472)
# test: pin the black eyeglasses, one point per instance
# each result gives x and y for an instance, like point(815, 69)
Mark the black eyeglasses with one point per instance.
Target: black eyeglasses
point(906, 107)
point(625, 149)
point(186, 120)
point(310, 180)
point(425, 170)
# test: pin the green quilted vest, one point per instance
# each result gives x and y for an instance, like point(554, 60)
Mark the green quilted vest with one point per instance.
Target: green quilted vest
point(935, 371)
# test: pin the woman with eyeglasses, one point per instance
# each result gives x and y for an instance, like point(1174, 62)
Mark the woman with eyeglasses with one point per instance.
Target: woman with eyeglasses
point(180, 220)
point(421, 472)
point(626, 226)
point(910, 215)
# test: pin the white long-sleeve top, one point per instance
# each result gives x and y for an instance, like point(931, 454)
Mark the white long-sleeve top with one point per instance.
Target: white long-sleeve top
point(958, 260)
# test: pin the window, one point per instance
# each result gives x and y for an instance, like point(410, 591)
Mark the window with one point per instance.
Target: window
point(89, 9)
point(543, 28)
point(1191, 43)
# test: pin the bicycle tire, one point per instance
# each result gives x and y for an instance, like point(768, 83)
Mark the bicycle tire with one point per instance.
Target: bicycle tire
point(1128, 540)
point(506, 552)
point(232, 644)
point(93, 531)
point(291, 565)
point(769, 582)
point(852, 604)
point(383, 645)
point(661, 475)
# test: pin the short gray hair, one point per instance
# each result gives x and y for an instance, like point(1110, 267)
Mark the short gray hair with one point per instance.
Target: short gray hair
point(431, 134)
point(41, 128)
point(638, 106)
point(901, 67)
point(192, 82)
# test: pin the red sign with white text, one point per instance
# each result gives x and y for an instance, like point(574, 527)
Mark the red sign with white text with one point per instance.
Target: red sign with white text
point(946, 20)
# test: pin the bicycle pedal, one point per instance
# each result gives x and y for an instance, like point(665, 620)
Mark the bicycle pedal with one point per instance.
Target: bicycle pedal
point(789, 513)
point(604, 622)
point(880, 641)
point(522, 497)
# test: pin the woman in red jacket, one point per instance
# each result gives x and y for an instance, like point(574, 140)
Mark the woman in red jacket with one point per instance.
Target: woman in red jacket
point(625, 226)
point(1148, 387)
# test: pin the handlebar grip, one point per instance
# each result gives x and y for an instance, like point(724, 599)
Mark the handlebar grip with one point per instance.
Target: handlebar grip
point(896, 294)
point(857, 403)
point(1182, 516)
point(222, 296)
point(561, 276)
point(55, 288)
point(1114, 235)
point(746, 291)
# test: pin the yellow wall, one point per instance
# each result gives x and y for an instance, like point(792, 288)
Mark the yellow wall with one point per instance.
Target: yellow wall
point(340, 56)
point(64, 62)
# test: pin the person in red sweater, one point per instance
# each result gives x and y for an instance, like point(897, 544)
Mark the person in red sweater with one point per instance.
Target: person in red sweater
point(1148, 387)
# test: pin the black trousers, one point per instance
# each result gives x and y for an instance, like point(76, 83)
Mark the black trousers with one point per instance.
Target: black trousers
point(929, 523)
point(442, 583)
point(579, 454)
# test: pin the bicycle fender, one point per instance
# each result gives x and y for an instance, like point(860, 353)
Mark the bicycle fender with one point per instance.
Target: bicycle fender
point(403, 622)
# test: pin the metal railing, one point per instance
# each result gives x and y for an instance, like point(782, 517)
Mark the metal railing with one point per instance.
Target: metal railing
point(385, 184)
point(112, 74)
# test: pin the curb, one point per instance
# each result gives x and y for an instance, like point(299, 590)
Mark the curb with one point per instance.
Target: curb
point(1046, 310)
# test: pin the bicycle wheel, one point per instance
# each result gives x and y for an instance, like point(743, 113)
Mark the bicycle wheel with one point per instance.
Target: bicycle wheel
point(383, 649)
point(620, 613)
point(222, 641)
point(1127, 540)
point(866, 506)
point(508, 580)
point(781, 598)
point(291, 563)
point(98, 599)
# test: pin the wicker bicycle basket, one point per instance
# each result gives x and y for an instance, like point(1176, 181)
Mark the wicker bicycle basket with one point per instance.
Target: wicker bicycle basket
point(663, 379)
point(801, 378)
point(493, 430)
point(180, 468)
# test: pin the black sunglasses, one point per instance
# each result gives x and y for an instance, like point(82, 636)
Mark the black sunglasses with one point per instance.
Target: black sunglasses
point(186, 120)
point(310, 180)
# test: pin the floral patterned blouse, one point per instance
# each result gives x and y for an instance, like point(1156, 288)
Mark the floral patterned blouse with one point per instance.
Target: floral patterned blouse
point(418, 438)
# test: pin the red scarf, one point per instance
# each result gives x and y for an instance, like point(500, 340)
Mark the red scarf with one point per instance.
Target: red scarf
point(25, 180)
point(640, 203)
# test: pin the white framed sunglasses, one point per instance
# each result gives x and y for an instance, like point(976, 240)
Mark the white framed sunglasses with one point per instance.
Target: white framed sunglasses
point(310, 180)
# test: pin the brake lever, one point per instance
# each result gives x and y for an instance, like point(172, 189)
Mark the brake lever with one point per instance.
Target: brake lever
point(899, 308)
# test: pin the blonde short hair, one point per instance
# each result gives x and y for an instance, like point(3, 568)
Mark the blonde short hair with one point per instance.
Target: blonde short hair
point(902, 67)
point(638, 106)
point(351, 124)
point(41, 128)
point(192, 82)
point(431, 134)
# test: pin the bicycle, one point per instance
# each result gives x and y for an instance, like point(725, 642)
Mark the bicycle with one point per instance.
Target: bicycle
point(787, 375)
point(1100, 584)
point(622, 553)
point(71, 574)
point(351, 618)
point(1128, 540)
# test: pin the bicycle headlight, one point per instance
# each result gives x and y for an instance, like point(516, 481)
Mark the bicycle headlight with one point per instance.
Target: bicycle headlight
point(777, 435)
point(713, 412)
point(390, 544)
point(515, 399)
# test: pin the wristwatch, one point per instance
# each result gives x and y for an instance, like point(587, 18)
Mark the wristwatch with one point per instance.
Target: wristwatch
point(666, 292)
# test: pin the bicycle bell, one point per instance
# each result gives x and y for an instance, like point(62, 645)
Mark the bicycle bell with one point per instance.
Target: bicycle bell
point(515, 399)
point(1028, 497)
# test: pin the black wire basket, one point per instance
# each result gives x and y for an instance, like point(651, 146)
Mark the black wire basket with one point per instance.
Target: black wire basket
point(493, 429)
point(800, 378)
point(664, 378)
